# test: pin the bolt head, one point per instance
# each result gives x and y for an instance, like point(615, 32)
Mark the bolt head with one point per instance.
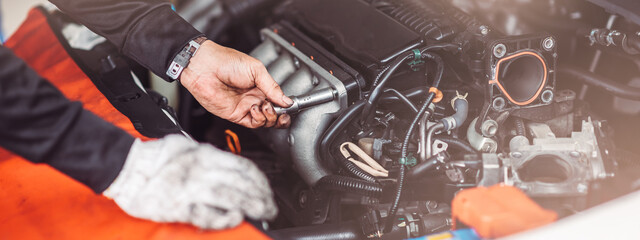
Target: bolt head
point(500, 50)
point(484, 30)
point(516, 154)
point(499, 103)
point(582, 188)
point(548, 43)
point(574, 154)
point(547, 96)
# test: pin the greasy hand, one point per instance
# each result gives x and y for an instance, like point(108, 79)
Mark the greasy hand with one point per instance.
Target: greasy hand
point(235, 86)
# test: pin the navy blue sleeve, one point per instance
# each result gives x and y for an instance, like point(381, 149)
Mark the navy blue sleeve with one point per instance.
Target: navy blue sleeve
point(40, 124)
point(148, 31)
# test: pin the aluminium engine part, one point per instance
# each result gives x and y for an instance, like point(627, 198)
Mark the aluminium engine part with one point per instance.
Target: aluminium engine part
point(522, 70)
point(298, 74)
point(480, 142)
point(550, 167)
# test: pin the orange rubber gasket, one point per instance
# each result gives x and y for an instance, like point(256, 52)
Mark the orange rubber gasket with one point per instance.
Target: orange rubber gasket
point(438, 93)
point(233, 142)
point(504, 91)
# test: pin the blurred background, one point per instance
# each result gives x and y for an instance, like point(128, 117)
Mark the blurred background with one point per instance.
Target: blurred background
point(13, 13)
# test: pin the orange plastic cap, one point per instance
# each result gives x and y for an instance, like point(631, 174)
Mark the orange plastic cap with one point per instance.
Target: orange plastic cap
point(498, 211)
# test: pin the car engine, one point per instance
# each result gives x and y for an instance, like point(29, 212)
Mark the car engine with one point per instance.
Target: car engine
point(401, 104)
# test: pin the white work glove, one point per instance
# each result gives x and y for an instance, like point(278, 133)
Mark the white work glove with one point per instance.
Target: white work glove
point(174, 179)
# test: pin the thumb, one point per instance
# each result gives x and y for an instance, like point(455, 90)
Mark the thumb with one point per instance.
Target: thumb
point(270, 88)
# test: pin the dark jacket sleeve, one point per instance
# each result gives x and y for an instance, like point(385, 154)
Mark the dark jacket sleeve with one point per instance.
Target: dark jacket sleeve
point(148, 31)
point(40, 124)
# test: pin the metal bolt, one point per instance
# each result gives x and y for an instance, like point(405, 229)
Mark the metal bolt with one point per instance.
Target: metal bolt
point(498, 103)
point(432, 205)
point(547, 96)
point(296, 62)
point(484, 30)
point(315, 81)
point(548, 43)
point(489, 128)
point(582, 188)
point(574, 154)
point(302, 199)
point(488, 147)
point(516, 154)
point(499, 50)
point(291, 139)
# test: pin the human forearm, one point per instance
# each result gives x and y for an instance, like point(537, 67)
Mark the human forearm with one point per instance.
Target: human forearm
point(145, 30)
point(38, 123)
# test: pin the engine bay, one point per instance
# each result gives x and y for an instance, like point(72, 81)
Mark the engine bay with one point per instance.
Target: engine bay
point(401, 104)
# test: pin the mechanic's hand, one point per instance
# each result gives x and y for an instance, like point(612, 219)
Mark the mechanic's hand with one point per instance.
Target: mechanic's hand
point(177, 180)
point(235, 86)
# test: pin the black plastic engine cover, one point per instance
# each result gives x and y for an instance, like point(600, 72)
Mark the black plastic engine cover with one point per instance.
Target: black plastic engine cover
point(629, 9)
point(357, 32)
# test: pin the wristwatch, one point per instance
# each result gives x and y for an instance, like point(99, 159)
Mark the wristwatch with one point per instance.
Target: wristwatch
point(181, 61)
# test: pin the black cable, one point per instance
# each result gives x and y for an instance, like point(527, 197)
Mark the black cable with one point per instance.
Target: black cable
point(349, 185)
point(401, 176)
point(411, 93)
point(375, 94)
point(335, 231)
point(617, 89)
point(355, 170)
point(403, 99)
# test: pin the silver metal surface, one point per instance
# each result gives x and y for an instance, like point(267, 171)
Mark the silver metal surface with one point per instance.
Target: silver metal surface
point(534, 168)
point(479, 142)
point(499, 50)
point(491, 170)
point(308, 100)
point(298, 75)
point(438, 147)
point(422, 131)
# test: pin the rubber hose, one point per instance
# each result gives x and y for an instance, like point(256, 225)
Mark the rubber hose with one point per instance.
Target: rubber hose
point(461, 107)
point(349, 185)
point(355, 170)
point(457, 143)
point(617, 89)
point(341, 231)
point(338, 126)
point(423, 168)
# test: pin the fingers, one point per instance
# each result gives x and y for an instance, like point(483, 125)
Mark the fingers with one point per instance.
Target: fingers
point(258, 119)
point(270, 114)
point(284, 121)
point(269, 87)
point(243, 113)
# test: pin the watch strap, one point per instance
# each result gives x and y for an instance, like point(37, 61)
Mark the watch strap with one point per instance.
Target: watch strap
point(181, 60)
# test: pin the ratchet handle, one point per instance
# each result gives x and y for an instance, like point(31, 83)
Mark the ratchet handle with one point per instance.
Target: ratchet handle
point(308, 100)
